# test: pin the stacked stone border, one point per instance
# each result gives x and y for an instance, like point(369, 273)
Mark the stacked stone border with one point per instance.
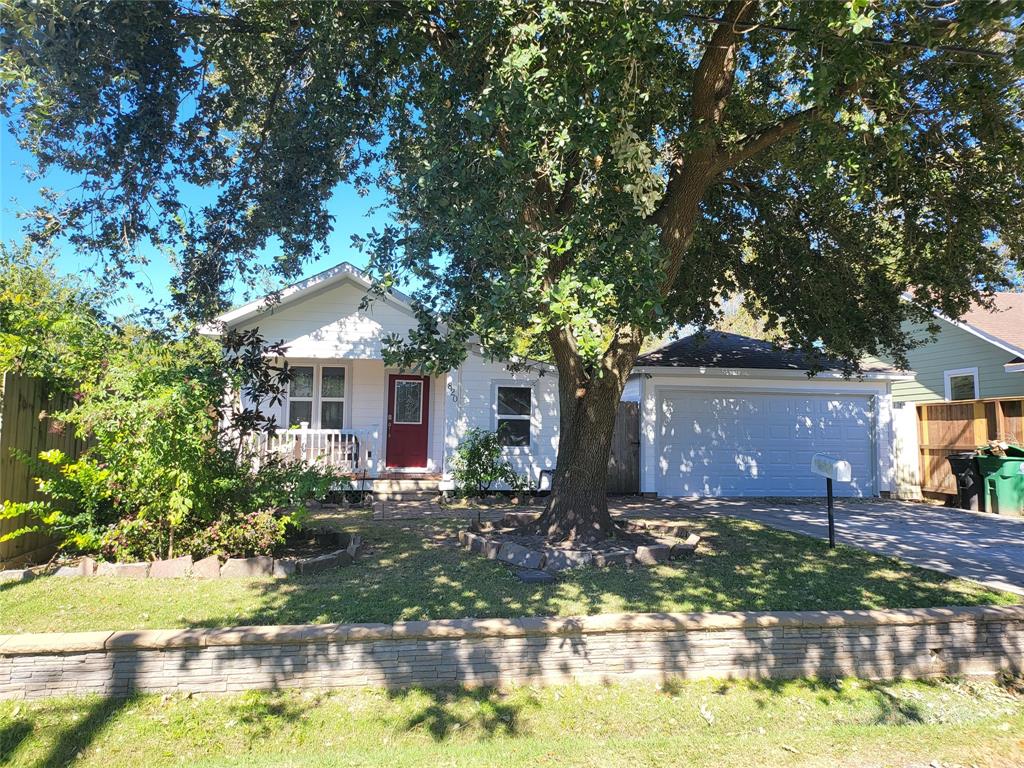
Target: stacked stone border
point(915, 643)
point(671, 541)
point(208, 568)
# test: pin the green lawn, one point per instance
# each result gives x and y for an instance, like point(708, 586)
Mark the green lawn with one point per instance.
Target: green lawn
point(800, 723)
point(413, 571)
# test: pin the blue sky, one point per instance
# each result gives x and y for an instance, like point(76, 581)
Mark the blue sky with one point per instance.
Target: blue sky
point(351, 213)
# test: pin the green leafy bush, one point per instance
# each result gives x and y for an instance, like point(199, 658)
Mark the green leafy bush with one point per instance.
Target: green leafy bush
point(130, 539)
point(167, 470)
point(478, 464)
point(81, 506)
point(255, 533)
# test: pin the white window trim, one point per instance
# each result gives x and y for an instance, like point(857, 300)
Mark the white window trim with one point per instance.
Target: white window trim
point(495, 385)
point(948, 375)
point(318, 382)
point(317, 399)
point(311, 400)
point(422, 384)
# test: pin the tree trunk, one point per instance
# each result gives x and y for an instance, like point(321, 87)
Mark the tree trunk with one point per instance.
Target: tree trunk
point(578, 506)
point(577, 509)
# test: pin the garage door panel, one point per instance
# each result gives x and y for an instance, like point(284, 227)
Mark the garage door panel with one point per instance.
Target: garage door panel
point(759, 444)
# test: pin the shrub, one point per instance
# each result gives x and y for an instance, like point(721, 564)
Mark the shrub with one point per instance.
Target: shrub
point(478, 464)
point(82, 498)
point(133, 539)
point(255, 533)
point(166, 466)
point(167, 457)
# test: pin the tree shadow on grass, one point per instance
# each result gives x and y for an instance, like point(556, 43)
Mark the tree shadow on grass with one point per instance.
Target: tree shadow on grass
point(263, 712)
point(889, 706)
point(413, 571)
point(12, 734)
point(443, 711)
point(80, 733)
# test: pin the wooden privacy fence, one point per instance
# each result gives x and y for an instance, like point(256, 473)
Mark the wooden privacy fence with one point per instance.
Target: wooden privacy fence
point(24, 401)
point(946, 428)
point(624, 461)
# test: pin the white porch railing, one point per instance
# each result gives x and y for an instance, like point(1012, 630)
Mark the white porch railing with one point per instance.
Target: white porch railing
point(348, 450)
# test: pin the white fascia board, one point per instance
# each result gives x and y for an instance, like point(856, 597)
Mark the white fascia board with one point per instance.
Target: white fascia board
point(1014, 367)
point(996, 342)
point(769, 373)
point(328, 277)
point(993, 340)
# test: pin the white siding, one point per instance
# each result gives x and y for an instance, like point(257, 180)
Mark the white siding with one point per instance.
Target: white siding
point(470, 403)
point(369, 402)
point(329, 324)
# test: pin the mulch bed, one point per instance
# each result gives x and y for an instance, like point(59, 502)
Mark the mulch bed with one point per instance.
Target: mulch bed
point(311, 542)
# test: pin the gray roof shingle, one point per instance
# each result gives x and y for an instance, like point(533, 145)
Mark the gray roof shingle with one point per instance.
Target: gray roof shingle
point(716, 349)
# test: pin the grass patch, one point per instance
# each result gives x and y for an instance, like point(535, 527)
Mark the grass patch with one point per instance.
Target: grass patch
point(807, 723)
point(414, 570)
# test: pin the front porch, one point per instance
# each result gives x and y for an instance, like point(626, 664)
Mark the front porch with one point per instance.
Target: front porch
point(367, 421)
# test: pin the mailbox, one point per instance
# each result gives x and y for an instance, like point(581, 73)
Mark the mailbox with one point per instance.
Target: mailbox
point(831, 467)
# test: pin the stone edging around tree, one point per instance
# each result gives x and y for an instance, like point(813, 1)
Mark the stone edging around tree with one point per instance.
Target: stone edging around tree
point(884, 644)
point(208, 568)
point(672, 541)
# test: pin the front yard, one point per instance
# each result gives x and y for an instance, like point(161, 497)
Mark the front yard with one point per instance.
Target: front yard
point(414, 570)
point(799, 723)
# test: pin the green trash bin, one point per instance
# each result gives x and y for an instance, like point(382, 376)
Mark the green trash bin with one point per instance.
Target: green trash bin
point(1003, 483)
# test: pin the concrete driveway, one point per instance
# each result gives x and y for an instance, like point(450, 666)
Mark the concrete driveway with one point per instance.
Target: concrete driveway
point(985, 548)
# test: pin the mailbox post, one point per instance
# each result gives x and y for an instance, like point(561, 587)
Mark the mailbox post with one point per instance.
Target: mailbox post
point(831, 469)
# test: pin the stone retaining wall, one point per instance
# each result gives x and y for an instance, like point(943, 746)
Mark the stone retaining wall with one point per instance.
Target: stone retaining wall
point(978, 641)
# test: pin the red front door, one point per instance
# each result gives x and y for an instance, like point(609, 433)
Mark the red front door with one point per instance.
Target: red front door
point(408, 400)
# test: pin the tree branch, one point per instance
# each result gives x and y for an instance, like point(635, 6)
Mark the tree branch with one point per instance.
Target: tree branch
point(712, 83)
point(713, 79)
point(757, 142)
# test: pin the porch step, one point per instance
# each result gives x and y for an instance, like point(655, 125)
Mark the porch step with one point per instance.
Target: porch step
point(404, 489)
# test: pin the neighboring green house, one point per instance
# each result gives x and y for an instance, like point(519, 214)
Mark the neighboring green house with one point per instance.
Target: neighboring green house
point(978, 356)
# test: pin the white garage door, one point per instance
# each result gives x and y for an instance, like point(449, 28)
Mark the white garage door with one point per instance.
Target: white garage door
point(740, 444)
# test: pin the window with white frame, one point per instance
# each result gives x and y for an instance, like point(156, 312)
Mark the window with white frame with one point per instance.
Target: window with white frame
point(300, 396)
point(332, 397)
point(513, 407)
point(961, 384)
point(316, 396)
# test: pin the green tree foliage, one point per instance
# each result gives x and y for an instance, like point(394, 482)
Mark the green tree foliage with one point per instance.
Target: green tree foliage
point(739, 317)
point(567, 178)
point(49, 327)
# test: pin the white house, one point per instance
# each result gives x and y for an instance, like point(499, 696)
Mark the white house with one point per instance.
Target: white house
point(346, 406)
point(734, 419)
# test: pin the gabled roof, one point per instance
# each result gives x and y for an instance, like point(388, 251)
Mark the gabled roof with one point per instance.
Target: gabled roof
point(291, 293)
point(716, 349)
point(1002, 326)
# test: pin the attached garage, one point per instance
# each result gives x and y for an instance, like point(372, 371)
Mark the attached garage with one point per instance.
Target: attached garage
point(729, 416)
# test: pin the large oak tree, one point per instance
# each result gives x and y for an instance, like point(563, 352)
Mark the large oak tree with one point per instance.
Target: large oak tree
point(565, 178)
